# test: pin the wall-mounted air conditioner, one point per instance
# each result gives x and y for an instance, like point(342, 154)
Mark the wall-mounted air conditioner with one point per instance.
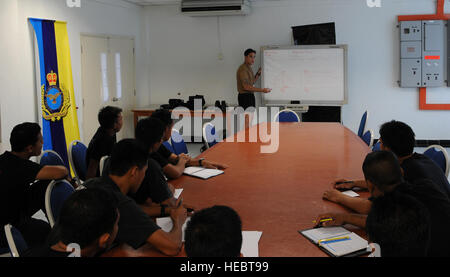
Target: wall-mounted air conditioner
point(215, 7)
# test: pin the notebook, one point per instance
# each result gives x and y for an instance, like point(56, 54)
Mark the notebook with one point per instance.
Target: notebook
point(337, 241)
point(201, 172)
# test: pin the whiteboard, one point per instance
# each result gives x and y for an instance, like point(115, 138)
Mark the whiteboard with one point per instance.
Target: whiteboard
point(310, 74)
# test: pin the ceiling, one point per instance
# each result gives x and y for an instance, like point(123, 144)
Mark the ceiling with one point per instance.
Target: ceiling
point(164, 2)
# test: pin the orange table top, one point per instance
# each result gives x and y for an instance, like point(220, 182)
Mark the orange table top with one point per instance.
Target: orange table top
point(278, 193)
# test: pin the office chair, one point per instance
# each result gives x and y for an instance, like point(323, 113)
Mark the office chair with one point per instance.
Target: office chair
point(439, 155)
point(16, 242)
point(50, 157)
point(362, 124)
point(178, 144)
point(287, 115)
point(168, 146)
point(57, 192)
point(209, 135)
point(368, 138)
point(376, 147)
point(77, 158)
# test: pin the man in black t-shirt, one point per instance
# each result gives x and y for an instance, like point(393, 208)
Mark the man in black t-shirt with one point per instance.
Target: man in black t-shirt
point(19, 198)
point(399, 138)
point(383, 176)
point(173, 165)
point(128, 164)
point(110, 119)
point(87, 225)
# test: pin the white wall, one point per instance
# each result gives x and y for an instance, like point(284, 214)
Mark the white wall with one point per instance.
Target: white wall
point(183, 55)
point(17, 64)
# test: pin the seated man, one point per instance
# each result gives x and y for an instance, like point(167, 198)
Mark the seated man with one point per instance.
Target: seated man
point(173, 165)
point(128, 165)
point(110, 119)
point(87, 225)
point(383, 175)
point(214, 232)
point(400, 225)
point(154, 188)
point(19, 200)
point(399, 138)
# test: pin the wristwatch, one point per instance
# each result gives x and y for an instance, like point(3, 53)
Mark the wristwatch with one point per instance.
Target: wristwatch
point(200, 161)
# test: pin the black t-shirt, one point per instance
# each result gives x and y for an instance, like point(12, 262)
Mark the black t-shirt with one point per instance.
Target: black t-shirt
point(438, 205)
point(419, 166)
point(161, 156)
point(154, 185)
point(16, 175)
point(135, 226)
point(101, 145)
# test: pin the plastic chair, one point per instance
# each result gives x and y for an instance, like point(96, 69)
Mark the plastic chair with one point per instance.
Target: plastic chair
point(209, 135)
point(50, 157)
point(368, 138)
point(376, 147)
point(362, 124)
point(105, 166)
point(439, 155)
point(16, 242)
point(287, 115)
point(57, 192)
point(77, 158)
point(178, 144)
point(101, 165)
point(168, 146)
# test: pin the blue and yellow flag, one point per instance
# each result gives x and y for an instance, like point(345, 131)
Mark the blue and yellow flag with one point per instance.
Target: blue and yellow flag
point(59, 115)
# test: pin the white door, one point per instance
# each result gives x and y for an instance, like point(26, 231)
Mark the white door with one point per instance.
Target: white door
point(107, 65)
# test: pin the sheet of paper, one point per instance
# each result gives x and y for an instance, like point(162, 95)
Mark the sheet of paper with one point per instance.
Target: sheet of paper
point(166, 224)
point(192, 169)
point(250, 243)
point(207, 173)
point(350, 193)
point(177, 193)
point(324, 233)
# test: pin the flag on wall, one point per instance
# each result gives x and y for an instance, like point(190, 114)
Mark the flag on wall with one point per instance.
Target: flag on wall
point(59, 115)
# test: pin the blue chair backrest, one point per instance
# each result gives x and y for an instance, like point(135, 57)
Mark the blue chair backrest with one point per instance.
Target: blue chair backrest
point(438, 157)
point(287, 116)
point(50, 157)
point(367, 137)
point(60, 192)
point(376, 147)
point(79, 159)
point(210, 135)
point(168, 146)
point(178, 144)
point(362, 124)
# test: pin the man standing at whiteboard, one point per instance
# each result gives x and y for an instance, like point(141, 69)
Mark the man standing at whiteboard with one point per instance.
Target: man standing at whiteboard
point(246, 79)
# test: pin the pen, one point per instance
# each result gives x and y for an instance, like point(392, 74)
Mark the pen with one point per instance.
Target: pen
point(325, 241)
point(323, 220)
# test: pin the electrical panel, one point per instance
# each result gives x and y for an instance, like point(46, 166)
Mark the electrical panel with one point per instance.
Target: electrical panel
point(422, 53)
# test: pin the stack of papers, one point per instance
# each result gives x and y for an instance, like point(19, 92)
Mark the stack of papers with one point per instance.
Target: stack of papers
point(202, 172)
point(337, 241)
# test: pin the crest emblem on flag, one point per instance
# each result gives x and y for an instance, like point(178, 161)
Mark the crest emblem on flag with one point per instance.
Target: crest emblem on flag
point(55, 100)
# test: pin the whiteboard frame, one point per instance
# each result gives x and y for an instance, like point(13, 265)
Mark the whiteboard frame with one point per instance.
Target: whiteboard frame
point(309, 102)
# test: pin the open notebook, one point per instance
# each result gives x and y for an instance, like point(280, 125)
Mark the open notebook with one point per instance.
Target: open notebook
point(202, 172)
point(337, 241)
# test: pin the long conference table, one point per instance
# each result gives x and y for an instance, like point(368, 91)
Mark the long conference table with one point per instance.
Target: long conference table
point(278, 193)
